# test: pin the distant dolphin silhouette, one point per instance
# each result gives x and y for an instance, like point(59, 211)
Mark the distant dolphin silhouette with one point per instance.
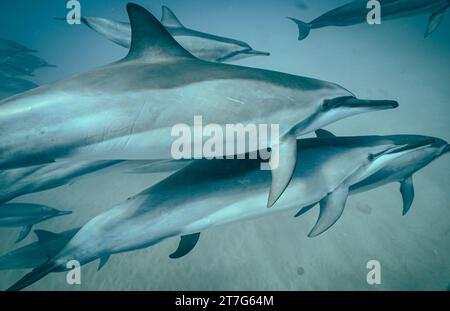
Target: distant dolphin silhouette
point(356, 12)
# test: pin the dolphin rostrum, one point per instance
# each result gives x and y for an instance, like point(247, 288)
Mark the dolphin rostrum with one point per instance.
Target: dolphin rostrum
point(37, 253)
point(356, 12)
point(127, 110)
point(213, 193)
point(202, 45)
point(26, 215)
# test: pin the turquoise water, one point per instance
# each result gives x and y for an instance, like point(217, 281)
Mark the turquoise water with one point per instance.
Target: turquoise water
point(392, 61)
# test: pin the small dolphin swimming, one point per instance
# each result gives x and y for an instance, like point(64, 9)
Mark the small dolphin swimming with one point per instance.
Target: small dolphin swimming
point(10, 86)
point(9, 48)
point(202, 45)
point(37, 253)
point(214, 193)
point(21, 181)
point(127, 110)
point(26, 215)
point(356, 12)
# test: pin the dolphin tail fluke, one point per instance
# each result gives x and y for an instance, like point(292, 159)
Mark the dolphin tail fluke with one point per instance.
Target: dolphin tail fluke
point(434, 21)
point(303, 28)
point(282, 163)
point(169, 19)
point(23, 233)
point(34, 276)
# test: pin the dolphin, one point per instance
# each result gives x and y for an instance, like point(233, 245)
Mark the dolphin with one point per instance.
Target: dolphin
point(356, 12)
point(202, 45)
point(21, 181)
point(9, 48)
point(10, 86)
point(214, 193)
point(26, 64)
point(26, 215)
point(37, 253)
point(127, 110)
point(399, 170)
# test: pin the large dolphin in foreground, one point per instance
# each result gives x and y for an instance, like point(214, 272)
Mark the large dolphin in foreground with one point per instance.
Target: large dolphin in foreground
point(127, 110)
point(36, 253)
point(213, 193)
point(26, 215)
point(202, 45)
point(356, 12)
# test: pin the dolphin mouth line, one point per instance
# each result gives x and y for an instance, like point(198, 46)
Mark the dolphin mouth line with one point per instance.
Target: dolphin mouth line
point(353, 102)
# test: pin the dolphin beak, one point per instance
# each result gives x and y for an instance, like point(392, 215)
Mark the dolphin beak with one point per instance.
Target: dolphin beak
point(411, 147)
point(353, 102)
point(62, 213)
point(255, 52)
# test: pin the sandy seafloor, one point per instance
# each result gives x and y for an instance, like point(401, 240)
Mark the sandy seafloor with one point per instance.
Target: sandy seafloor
point(389, 61)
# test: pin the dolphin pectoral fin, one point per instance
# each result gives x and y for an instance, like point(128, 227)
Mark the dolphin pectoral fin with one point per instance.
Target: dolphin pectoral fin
point(23, 233)
point(283, 160)
point(324, 134)
point(150, 41)
point(187, 243)
point(407, 191)
point(331, 208)
point(435, 20)
point(305, 210)
point(169, 19)
point(103, 261)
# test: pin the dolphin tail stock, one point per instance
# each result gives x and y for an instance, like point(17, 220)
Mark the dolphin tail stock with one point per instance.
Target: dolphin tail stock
point(34, 276)
point(303, 28)
point(169, 19)
point(435, 20)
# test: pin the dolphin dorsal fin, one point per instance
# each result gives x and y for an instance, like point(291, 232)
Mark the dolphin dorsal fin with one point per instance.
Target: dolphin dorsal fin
point(150, 40)
point(324, 134)
point(44, 236)
point(169, 19)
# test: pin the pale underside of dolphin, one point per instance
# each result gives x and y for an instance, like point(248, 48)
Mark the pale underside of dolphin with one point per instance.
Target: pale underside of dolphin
point(356, 12)
point(127, 110)
point(202, 45)
point(230, 191)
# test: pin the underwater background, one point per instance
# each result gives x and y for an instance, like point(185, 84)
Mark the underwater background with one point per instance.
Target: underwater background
point(391, 60)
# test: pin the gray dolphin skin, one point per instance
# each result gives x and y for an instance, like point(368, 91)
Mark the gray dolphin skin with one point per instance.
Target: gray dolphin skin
point(26, 215)
point(202, 45)
point(356, 12)
point(37, 253)
point(127, 110)
point(214, 193)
